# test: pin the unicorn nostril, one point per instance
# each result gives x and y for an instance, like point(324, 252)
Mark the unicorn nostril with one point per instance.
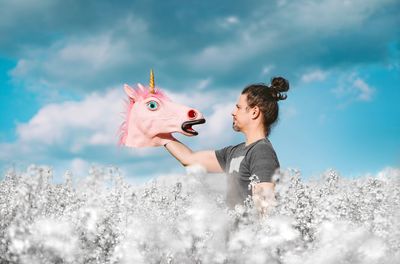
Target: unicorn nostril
point(192, 114)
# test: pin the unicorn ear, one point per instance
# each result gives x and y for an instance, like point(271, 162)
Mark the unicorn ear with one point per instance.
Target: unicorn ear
point(129, 91)
point(141, 87)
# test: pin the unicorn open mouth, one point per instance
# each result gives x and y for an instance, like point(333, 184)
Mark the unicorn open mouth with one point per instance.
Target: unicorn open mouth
point(187, 126)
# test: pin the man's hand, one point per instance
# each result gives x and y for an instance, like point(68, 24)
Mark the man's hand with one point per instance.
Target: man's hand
point(264, 197)
point(162, 139)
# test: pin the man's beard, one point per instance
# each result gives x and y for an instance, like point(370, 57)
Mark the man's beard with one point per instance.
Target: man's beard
point(234, 127)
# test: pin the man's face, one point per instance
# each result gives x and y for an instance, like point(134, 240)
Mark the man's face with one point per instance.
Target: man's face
point(241, 114)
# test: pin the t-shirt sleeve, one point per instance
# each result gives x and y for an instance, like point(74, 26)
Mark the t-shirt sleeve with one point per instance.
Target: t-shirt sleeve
point(263, 163)
point(223, 156)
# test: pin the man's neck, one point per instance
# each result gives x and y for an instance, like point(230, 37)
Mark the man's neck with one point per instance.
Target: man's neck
point(254, 136)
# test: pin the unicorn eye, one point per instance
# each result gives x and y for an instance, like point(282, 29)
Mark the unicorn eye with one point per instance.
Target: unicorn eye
point(152, 105)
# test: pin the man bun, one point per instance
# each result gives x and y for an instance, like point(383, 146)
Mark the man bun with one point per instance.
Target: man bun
point(279, 87)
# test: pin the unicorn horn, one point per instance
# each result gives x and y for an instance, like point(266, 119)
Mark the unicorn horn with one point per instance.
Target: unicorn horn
point(151, 85)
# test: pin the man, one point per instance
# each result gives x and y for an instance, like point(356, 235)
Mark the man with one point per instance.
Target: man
point(255, 112)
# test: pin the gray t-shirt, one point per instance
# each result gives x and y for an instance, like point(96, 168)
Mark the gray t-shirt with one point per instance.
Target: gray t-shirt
point(240, 162)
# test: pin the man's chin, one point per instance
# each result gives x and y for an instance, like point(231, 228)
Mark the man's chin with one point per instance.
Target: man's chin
point(235, 128)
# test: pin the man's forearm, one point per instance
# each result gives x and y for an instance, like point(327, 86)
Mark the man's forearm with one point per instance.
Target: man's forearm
point(205, 158)
point(264, 197)
point(263, 205)
point(180, 151)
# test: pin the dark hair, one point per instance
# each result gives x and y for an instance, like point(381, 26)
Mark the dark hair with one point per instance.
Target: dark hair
point(266, 98)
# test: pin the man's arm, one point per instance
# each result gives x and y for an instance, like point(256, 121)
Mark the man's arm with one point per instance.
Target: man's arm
point(264, 197)
point(187, 157)
point(263, 164)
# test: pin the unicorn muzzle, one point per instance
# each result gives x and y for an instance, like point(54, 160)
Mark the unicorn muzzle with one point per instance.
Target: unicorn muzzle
point(187, 126)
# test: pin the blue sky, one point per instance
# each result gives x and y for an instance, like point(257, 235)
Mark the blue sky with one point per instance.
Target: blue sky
point(63, 64)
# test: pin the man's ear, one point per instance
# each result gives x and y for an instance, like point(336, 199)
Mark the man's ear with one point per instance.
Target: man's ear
point(255, 112)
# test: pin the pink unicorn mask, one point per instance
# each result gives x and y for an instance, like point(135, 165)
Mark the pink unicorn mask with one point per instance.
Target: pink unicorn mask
point(151, 116)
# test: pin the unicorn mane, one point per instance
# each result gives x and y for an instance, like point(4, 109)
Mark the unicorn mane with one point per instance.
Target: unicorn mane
point(140, 94)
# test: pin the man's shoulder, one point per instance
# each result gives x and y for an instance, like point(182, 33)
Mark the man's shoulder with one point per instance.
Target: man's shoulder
point(239, 145)
point(264, 146)
point(234, 147)
point(230, 149)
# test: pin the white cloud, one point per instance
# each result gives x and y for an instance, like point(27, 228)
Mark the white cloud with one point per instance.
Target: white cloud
point(79, 167)
point(228, 22)
point(266, 70)
point(97, 51)
point(353, 88)
point(76, 124)
point(202, 84)
point(219, 125)
point(329, 16)
point(94, 120)
point(77, 62)
point(262, 37)
point(200, 99)
point(232, 20)
point(73, 134)
point(312, 76)
point(227, 55)
point(281, 2)
point(11, 9)
point(365, 91)
point(71, 58)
